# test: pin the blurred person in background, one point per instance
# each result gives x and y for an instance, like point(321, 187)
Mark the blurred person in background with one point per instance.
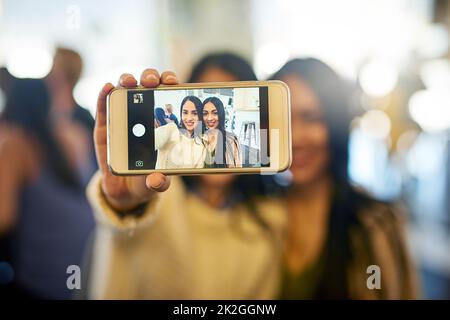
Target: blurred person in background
point(71, 122)
point(205, 237)
point(335, 231)
point(6, 273)
point(43, 209)
point(160, 118)
point(169, 114)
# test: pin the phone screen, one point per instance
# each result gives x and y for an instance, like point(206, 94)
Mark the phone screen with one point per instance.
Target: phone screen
point(198, 128)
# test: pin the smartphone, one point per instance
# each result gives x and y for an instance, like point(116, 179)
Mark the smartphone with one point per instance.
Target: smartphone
point(200, 128)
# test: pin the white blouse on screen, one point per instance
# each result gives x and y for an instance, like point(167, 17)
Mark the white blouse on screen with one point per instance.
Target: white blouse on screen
point(176, 150)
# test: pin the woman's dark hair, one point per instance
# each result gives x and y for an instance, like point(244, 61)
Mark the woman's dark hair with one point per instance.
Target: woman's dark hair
point(220, 157)
point(226, 61)
point(27, 106)
point(199, 107)
point(334, 96)
point(160, 116)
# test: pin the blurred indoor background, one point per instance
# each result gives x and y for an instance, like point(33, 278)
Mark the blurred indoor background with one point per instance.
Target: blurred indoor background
point(396, 52)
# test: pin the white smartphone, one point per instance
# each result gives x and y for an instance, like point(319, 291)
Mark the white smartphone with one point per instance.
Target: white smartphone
point(200, 128)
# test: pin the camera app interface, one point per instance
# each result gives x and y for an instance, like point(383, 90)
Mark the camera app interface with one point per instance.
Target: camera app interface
point(198, 128)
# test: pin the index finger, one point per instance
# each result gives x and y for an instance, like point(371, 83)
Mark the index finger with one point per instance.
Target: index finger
point(100, 128)
point(100, 119)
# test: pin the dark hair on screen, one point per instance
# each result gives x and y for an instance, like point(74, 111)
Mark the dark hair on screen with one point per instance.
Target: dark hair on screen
point(334, 96)
point(245, 187)
point(160, 116)
point(220, 158)
point(198, 107)
point(27, 106)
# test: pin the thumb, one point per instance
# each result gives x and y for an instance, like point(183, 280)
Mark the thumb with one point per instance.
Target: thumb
point(157, 182)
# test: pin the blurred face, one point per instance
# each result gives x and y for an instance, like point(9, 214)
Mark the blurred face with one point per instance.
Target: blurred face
point(55, 78)
point(214, 74)
point(169, 108)
point(210, 116)
point(189, 116)
point(309, 134)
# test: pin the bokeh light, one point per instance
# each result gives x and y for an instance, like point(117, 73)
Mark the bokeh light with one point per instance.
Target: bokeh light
point(378, 78)
point(436, 74)
point(375, 124)
point(269, 58)
point(431, 109)
point(29, 59)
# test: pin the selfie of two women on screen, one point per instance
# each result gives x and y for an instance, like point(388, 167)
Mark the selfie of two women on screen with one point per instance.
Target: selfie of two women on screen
point(209, 128)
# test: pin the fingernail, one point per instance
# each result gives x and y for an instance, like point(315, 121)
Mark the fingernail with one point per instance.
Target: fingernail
point(128, 78)
point(171, 78)
point(151, 77)
point(161, 182)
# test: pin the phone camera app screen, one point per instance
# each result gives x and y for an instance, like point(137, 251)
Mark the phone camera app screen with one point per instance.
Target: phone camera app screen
point(198, 128)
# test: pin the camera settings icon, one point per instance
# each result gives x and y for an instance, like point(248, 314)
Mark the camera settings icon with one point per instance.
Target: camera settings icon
point(139, 163)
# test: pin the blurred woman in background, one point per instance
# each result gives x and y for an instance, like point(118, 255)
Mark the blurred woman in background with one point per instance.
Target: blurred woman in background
point(335, 231)
point(206, 237)
point(223, 148)
point(169, 114)
point(42, 203)
point(160, 118)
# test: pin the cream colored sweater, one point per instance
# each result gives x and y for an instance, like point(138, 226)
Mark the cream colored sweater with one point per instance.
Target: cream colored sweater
point(182, 248)
point(176, 150)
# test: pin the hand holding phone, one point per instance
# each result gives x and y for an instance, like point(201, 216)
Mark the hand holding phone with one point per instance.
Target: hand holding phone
point(127, 192)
